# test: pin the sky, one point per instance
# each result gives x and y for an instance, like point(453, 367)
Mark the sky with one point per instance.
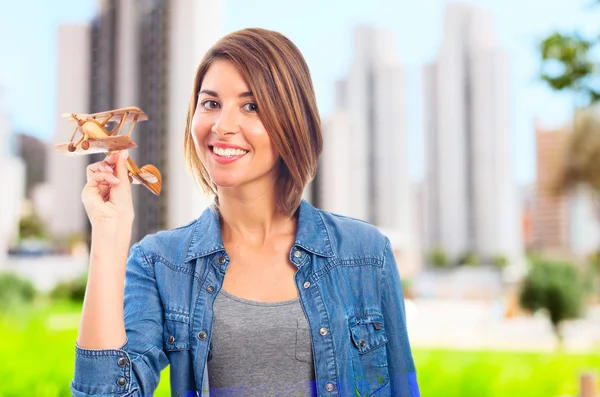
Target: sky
point(323, 32)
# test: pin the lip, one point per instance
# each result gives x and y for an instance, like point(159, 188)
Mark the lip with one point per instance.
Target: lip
point(224, 145)
point(225, 160)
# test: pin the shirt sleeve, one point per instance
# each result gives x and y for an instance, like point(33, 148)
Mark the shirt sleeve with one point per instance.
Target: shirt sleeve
point(403, 377)
point(134, 369)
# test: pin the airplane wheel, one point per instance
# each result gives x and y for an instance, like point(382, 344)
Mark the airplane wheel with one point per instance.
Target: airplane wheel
point(85, 145)
point(71, 147)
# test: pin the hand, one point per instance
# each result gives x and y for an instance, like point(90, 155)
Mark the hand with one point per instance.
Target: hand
point(107, 193)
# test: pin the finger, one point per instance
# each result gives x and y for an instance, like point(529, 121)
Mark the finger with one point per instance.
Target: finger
point(99, 178)
point(121, 193)
point(112, 159)
point(97, 189)
point(100, 166)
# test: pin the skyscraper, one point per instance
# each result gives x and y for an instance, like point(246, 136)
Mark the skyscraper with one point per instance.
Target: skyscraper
point(12, 174)
point(66, 175)
point(144, 53)
point(33, 151)
point(471, 193)
point(562, 221)
point(550, 210)
point(363, 172)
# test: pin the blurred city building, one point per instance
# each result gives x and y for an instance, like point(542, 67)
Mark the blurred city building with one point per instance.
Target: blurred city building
point(365, 138)
point(66, 174)
point(145, 53)
point(471, 192)
point(33, 152)
point(584, 222)
point(562, 222)
point(550, 210)
point(12, 175)
point(364, 172)
point(527, 199)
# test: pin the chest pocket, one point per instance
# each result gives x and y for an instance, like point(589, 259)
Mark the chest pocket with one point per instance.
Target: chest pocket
point(369, 355)
point(176, 335)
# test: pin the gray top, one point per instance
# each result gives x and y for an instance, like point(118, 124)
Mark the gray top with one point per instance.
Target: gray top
point(260, 349)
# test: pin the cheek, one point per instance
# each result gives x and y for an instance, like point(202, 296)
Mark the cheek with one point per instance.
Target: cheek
point(258, 134)
point(200, 130)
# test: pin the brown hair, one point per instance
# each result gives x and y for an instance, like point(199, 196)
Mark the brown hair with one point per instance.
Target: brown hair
point(279, 78)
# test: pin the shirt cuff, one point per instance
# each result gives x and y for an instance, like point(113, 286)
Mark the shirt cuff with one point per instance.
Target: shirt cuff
point(105, 372)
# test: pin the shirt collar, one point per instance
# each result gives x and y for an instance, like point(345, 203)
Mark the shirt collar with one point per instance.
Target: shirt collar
point(311, 235)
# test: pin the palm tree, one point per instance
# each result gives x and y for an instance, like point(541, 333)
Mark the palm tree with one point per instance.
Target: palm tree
point(568, 64)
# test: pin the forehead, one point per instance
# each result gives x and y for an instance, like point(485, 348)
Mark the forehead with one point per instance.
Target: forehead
point(223, 77)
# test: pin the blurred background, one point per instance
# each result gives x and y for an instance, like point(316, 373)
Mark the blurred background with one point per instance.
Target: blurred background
point(468, 132)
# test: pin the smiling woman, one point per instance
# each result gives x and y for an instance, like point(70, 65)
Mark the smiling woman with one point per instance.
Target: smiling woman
point(261, 73)
point(263, 294)
point(226, 129)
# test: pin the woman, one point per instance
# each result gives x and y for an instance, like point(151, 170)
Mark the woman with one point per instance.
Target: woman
point(263, 294)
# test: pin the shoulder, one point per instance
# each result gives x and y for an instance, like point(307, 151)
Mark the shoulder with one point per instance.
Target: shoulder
point(353, 237)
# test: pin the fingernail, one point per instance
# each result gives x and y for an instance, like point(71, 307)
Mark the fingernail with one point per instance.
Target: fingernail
point(117, 180)
point(124, 154)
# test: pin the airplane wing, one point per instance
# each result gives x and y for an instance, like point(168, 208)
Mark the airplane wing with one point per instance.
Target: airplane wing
point(99, 145)
point(118, 114)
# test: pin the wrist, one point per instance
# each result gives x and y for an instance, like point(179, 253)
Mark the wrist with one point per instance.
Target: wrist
point(112, 226)
point(112, 234)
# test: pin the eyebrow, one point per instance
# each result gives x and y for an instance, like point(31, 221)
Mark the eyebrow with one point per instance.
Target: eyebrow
point(214, 93)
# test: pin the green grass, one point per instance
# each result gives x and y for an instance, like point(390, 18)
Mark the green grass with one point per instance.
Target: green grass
point(38, 348)
point(37, 352)
point(451, 373)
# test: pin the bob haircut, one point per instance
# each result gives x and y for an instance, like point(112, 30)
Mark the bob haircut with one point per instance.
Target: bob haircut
point(279, 78)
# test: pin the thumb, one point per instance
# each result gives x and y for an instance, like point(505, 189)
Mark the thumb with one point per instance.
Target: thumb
point(121, 192)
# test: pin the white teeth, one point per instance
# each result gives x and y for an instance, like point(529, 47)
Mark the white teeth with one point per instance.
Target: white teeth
point(228, 152)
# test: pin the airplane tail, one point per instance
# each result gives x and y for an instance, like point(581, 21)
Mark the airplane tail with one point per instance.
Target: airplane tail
point(150, 177)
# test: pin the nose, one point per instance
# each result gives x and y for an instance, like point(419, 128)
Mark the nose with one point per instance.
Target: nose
point(226, 122)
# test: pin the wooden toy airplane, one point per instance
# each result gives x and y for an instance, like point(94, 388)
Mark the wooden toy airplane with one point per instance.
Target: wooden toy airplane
point(97, 138)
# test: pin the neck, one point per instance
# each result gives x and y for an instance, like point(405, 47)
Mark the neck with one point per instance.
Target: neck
point(252, 218)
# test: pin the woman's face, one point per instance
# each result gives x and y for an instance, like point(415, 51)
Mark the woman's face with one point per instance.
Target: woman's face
point(230, 139)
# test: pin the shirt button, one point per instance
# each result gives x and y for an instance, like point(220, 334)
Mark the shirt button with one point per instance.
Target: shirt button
point(329, 387)
point(211, 288)
point(306, 284)
point(202, 335)
point(221, 260)
point(121, 381)
point(362, 343)
point(122, 362)
point(171, 340)
point(297, 254)
point(323, 331)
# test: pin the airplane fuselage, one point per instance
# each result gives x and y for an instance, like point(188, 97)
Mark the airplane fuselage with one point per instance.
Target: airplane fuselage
point(93, 130)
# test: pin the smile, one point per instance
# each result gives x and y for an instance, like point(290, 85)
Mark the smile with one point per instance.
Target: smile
point(228, 152)
point(227, 155)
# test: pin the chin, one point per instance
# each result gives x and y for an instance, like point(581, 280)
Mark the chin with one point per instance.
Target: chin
point(226, 182)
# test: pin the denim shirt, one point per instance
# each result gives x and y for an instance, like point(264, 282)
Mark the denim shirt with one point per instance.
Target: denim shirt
point(349, 288)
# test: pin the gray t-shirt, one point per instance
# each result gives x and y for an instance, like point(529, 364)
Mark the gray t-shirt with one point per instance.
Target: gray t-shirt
point(260, 349)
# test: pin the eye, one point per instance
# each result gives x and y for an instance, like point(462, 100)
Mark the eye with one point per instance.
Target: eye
point(251, 107)
point(210, 104)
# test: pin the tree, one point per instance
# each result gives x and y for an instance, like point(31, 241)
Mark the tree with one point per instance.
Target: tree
point(15, 291)
point(570, 63)
point(500, 261)
point(438, 258)
point(31, 226)
point(469, 258)
point(555, 287)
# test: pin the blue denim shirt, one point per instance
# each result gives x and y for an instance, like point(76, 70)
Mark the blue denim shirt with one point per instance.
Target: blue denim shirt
point(349, 288)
